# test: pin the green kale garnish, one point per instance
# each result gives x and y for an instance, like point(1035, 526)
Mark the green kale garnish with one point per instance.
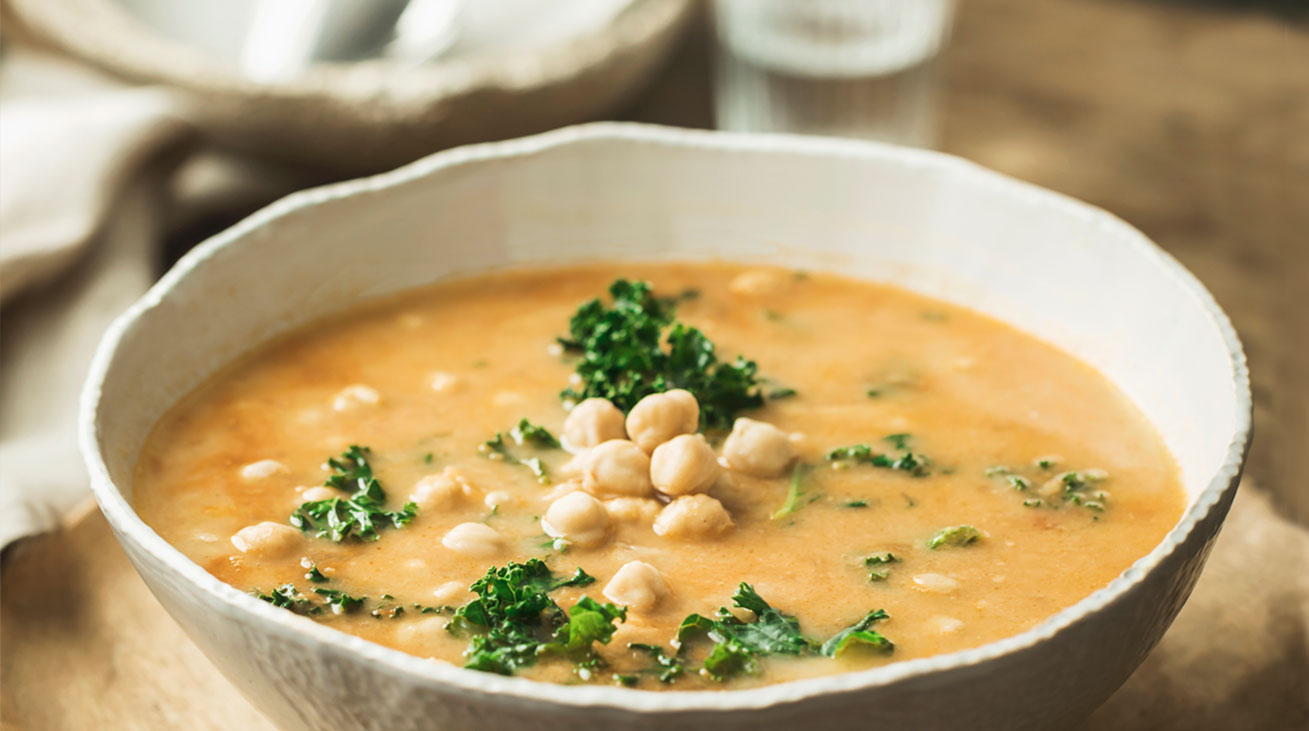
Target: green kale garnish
point(287, 596)
point(536, 434)
point(857, 635)
point(313, 574)
point(955, 535)
point(588, 622)
point(668, 667)
point(579, 578)
point(879, 559)
point(634, 348)
point(513, 620)
point(1077, 488)
point(524, 433)
point(362, 513)
point(906, 460)
point(340, 602)
point(794, 493)
point(738, 644)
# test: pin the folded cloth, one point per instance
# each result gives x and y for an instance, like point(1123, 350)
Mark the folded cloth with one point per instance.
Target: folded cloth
point(77, 232)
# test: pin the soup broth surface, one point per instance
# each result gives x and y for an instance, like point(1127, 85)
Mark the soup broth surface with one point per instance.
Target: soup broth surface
point(995, 420)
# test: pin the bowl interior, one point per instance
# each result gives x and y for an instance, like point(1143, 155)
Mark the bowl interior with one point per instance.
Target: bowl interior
point(1068, 273)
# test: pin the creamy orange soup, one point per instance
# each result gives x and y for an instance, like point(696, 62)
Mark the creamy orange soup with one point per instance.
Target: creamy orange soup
point(909, 456)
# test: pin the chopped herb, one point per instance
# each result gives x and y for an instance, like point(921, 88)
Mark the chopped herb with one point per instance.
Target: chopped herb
point(513, 620)
point(287, 596)
point(908, 499)
point(879, 559)
point(873, 393)
point(1033, 503)
point(1019, 482)
point(588, 622)
point(536, 434)
point(525, 433)
point(780, 392)
point(899, 441)
point(997, 471)
point(427, 458)
point(955, 535)
point(773, 315)
point(314, 574)
point(361, 514)
point(1078, 488)
point(635, 348)
point(794, 493)
point(855, 504)
point(1047, 463)
point(579, 578)
point(340, 602)
point(738, 645)
point(670, 303)
point(627, 680)
point(424, 609)
point(906, 461)
point(387, 611)
point(669, 668)
point(858, 635)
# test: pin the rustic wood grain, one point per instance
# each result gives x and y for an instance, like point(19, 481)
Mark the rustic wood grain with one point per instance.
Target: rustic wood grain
point(84, 645)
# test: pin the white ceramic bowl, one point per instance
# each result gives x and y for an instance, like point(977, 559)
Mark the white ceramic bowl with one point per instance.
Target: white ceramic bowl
point(1069, 273)
point(369, 115)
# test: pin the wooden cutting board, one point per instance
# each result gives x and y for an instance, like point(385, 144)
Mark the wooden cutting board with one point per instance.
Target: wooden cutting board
point(84, 645)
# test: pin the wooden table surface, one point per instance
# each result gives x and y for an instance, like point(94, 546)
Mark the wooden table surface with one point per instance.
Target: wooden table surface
point(1189, 121)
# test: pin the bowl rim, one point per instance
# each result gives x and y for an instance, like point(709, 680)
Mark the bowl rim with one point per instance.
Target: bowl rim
point(136, 50)
point(446, 677)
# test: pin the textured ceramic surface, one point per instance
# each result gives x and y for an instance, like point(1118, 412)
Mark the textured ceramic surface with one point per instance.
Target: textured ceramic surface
point(1067, 272)
point(362, 117)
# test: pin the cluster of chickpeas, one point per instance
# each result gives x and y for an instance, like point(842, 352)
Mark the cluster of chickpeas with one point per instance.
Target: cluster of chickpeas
point(653, 466)
point(650, 466)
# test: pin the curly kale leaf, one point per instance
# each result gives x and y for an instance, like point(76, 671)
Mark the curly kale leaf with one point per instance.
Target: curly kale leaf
point(634, 348)
point(513, 620)
point(359, 515)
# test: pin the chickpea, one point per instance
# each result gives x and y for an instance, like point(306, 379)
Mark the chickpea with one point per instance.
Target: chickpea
point(683, 465)
point(661, 416)
point(632, 509)
point(591, 422)
point(316, 493)
point(443, 382)
point(352, 397)
point(577, 518)
point(637, 586)
point(693, 517)
point(758, 448)
point(437, 492)
point(263, 469)
point(474, 539)
point(936, 583)
point(267, 539)
point(759, 283)
point(617, 468)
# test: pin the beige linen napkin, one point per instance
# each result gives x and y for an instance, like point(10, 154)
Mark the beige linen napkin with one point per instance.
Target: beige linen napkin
point(93, 175)
point(77, 232)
